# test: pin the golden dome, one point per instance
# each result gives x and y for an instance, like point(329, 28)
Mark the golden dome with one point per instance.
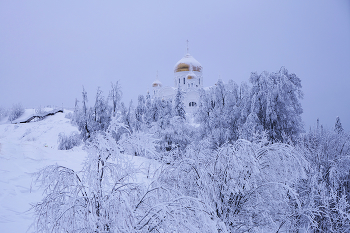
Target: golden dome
point(186, 63)
point(191, 75)
point(182, 67)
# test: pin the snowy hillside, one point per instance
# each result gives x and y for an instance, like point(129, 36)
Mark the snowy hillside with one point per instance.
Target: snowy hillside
point(204, 181)
point(24, 149)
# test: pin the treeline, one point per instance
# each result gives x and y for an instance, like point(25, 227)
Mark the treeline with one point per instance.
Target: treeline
point(241, 163)
point(226, 112)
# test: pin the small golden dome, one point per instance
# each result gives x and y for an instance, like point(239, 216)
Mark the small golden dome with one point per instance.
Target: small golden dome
point(157, 83)
point(191, 75)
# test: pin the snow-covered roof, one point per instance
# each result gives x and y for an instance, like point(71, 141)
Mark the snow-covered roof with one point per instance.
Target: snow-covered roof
point(156, 83)
point(186, 62)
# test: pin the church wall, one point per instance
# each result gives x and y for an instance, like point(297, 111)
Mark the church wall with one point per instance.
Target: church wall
point(191, 96)
point(167, 93)
point(181, 79)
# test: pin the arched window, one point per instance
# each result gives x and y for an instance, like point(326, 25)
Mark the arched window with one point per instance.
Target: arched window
point(179, 80)
point(184, 81)
point(199, 81)
point(192, 104)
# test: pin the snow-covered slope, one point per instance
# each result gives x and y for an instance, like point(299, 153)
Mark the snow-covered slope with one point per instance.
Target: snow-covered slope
point(24, 149)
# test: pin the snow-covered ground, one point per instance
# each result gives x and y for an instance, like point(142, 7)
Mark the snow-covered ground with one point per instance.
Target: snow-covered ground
point(24, 149)
point(25, 116)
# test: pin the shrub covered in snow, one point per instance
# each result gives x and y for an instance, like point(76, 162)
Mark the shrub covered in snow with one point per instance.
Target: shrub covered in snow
point(68, 142)
point(105, 197)
point(69, 115)
point(3, 113)
point(40, 111)
point(16, 111)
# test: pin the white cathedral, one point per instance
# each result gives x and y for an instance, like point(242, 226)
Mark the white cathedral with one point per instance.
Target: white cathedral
point(187, 76)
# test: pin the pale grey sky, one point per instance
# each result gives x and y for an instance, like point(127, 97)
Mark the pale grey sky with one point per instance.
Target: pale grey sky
point(49, 49)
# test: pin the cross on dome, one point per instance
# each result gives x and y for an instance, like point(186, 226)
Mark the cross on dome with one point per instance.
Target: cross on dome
point(187, 46)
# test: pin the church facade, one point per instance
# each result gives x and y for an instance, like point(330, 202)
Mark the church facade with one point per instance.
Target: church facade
point(189, 77)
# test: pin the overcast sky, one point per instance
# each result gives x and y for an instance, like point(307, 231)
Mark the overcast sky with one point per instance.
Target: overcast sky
point(50, 49)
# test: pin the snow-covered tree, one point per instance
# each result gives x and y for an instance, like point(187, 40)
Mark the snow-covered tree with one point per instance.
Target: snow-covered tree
point(156, 109)
point(211, 114)
point(338, 128)
point(326, 191)
point(246, 186)
point(85, 101)
point(68, 142)
point(222, 112)
point(276, 101)
point(179, 107)
point(76, 106)
point(177, 135)
point(3, 113)
point(101, 113)
point(115, 95)
point(95, 200)
point(249, 194)
point(148, 109)
point(93, 119)
point(140, 113)
point(250, 127)
point(165, 113)
point(81, 117)
point(16, 111)
point(128, 116)
point(139, 144)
